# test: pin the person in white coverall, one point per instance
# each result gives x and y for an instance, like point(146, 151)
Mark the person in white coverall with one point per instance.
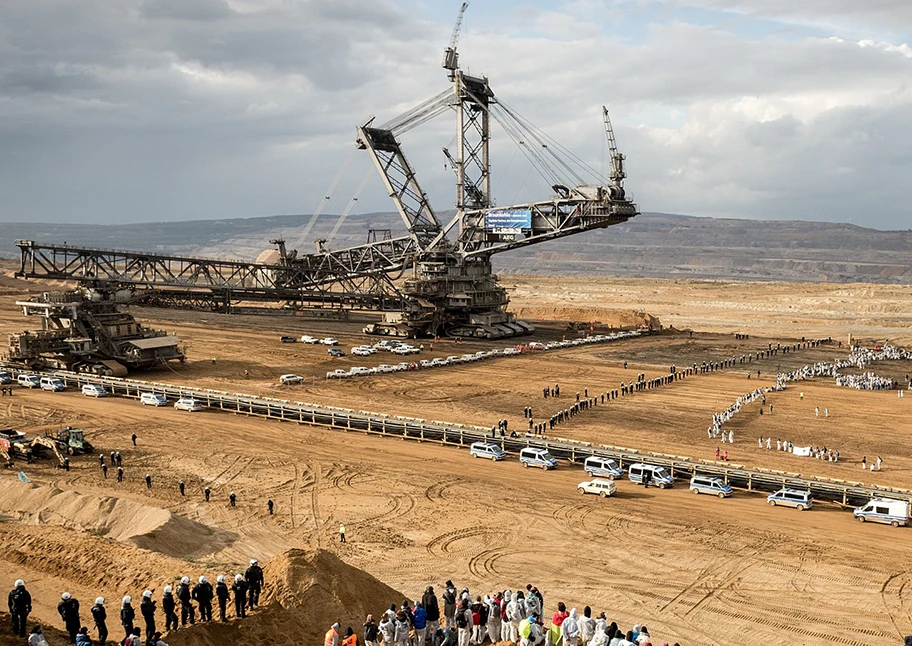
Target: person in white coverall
point(536, 635)
point(505, 624)
point(402, 630)
point(586, 626)
point(570, 629)
point(532, 607)
point(387, 630)
point(515, 613)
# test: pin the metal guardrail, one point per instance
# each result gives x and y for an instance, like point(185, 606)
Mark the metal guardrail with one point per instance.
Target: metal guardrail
point(410, 428)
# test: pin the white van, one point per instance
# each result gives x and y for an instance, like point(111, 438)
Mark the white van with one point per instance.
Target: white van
point(785, 497)
point(532, 457)
point(658, 475)
point(93, 390)
point(152, 399)
point(52, 383)
point(29, 381)
point(711, 485)
point(884, 510)
point(487, 450)
point(605, 467)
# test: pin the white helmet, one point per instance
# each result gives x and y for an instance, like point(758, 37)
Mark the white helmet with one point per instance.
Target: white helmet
point(65, 596)
point(220, 578)
point(127, 599)
point(185, 579)
point(100, 601)
point(19, 583)
point(253, 561)
point(238, 577)
point(147, 594)
point(202, 579)
point(167, 589)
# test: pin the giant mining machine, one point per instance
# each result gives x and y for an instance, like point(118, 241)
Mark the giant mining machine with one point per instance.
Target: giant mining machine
point(435, 278)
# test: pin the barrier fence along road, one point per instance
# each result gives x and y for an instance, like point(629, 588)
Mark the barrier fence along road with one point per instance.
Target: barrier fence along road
point(761, 480)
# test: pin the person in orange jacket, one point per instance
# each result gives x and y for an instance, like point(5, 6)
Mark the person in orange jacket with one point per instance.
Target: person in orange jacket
point(332, 635)
point(350, 639)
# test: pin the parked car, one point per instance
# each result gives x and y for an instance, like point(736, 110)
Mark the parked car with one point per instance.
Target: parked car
point(291, 379)
point(5, 377)
point(309, 339)
point(711, 485)
point(360, 352)
point(453, 360)
point(359, 370)
point(884, 510)
point(785, 497)
point(336, 352)
point(438, 361)
point(153, 399)
point(658, 475)
point(288, 339)
point(52, 383)
point(188, 404)
point(329, 341)
point(425, 363)
point(535, 345)
point(532, 457)
point(338, 374)
point(385, 368)
point(29, 381)
point(603, 488)
point(597, 466)
point(94, 390)
point(487, 450)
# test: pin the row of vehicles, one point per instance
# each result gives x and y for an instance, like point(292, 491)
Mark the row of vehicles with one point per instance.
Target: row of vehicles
point(604, 470)
point(54, 384)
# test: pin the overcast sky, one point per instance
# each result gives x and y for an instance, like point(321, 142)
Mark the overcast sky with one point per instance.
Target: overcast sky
point(140, 110)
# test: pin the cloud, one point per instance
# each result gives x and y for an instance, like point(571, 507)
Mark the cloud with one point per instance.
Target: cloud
point(167, 109)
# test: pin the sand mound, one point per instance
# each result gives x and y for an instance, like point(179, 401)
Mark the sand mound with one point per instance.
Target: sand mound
point(601, 317)
point(306, 591)
point(53, 636)
point(151, 528)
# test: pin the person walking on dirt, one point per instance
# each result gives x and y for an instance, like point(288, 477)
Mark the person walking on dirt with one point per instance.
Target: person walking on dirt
point(148, 481)
point(254, 578)
point(100, 616)
point(104, 470)
point(341, 532)
point(68, 609)
point(202, 594)
point(180, 486)
point(207, 493)
point(270, 506)
point(185, 598)
point(127, 615)
point(133, 437)
point(240, 596)
point(20, 606)
point(119, 458)
point(232, 499)
point(221, 593)
point(119, 474)
point(168, 606)
point(331, 638)
point(449, 604)
point(147, 610)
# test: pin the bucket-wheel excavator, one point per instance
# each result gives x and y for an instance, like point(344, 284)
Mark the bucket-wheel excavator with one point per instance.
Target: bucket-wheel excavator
point(433, 279)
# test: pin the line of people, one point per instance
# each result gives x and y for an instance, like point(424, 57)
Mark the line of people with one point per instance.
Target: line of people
point(245, 590)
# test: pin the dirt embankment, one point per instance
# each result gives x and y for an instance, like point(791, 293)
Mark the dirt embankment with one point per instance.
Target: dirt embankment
point(123, 520)
point(610, 318)
point(306, 591)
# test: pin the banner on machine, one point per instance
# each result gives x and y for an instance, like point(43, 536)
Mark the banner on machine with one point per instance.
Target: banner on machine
point(508, 220)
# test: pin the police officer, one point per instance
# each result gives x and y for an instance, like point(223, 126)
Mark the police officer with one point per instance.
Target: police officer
point(184, 596)
point(100, 615)
point(271, 506)
point(240, 596)
point(147, 610)
point(133, 437)
point(127, 615)
point(207, 492)
point(232, 499)
point(148, 481)
point(202, 593)
point(119, 474)
point(180, 485)
point(221, 592)
point(168, 605)
point(68, 609)
point(254, 578)
point(20, 606)
point(104, 470)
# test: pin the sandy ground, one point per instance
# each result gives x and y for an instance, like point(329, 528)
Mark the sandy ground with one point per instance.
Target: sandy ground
point(695, 569)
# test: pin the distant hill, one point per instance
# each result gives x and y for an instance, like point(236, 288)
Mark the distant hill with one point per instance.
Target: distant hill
point(655, 245)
